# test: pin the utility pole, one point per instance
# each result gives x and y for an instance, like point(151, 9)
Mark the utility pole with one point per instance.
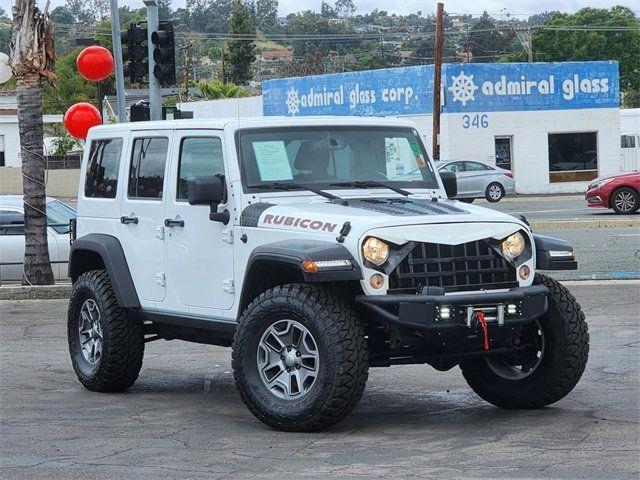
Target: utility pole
point(117, 53)
point(155, 92)
point(437, 80)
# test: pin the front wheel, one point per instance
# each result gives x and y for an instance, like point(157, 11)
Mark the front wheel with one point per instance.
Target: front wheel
point(624, 201)
point(300, 358)
point(549, 363)
point(494, 192)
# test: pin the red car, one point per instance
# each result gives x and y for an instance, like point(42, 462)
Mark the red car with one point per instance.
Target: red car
point(620, 191)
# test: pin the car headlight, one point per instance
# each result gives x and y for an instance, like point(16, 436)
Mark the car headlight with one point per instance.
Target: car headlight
point(513, 246)
point(600, 183)
point(375, 251)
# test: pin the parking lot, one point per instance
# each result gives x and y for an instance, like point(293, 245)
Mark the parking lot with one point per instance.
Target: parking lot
point(412, 422)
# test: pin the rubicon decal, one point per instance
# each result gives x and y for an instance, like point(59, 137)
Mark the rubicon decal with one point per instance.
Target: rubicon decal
point(306, 223)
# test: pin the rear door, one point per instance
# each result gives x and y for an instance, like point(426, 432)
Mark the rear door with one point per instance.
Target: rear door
point(476, 176)
point(142, 212)
point(199, 252)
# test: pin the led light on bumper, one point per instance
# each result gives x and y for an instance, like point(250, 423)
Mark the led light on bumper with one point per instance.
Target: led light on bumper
point(513, 246)
point(375, 251)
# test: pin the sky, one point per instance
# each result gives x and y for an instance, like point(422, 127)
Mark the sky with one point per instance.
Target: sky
point(496, 7)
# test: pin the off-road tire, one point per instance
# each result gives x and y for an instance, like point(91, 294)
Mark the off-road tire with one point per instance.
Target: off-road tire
point(488, 197)
point(564, 360)
point(123, 344)
point(628, 192)
point(342, 346)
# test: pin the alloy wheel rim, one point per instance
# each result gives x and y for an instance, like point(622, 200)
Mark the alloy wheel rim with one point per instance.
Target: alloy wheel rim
point(527, 362)
point(288, 359)
point(90, 332)
point(624, 201)
point(494, 192)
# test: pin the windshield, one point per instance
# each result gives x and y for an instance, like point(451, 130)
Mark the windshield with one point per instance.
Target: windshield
point(59, 215)
point(334, 157)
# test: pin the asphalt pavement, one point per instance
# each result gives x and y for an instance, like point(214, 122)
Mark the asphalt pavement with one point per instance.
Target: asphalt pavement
point(413, 422)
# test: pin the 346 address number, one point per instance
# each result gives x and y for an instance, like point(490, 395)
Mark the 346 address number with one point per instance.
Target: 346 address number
point(475, 121)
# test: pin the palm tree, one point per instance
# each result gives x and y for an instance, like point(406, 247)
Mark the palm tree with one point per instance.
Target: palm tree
point(215, 89)
point(32, 58)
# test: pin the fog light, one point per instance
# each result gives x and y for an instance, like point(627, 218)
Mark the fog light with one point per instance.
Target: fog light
point(511, 309)
point(445, 313)
point(524, 272)
point(376, 281)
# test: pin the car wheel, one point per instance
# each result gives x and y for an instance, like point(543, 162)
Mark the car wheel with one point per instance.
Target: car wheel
point(300, 358)
point(548, 363)
point(466, 200)
point(105, 344)
point(624, 201)
point(494, 192)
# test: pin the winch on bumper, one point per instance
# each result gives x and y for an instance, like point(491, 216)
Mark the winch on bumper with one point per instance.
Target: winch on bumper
point(433, 310)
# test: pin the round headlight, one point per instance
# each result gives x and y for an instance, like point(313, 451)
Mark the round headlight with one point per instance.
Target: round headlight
point(375, 251)
point(513, 246)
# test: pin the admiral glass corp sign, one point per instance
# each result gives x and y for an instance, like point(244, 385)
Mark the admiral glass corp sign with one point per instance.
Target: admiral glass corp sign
point(466, 88)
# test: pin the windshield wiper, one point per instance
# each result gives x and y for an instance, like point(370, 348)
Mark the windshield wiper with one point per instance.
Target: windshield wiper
point(293, 186)
point(372, 184)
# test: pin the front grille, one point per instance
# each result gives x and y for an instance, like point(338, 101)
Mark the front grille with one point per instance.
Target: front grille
point(470, 266)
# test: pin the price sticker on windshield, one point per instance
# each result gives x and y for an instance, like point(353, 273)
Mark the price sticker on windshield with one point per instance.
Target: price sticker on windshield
point(415, 148)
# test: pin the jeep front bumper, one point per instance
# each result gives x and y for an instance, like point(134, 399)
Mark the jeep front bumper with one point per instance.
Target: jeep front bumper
point(434, 312)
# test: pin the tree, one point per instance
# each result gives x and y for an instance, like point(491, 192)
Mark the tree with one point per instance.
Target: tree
point(3, 15)
point(70, 88)
point(32, 58)
point(486, 41)
point(558, 44)
point(241, 52)
point(327, 11)
point(62, 16)
point(345, 8)
point(82, 12)
point(267, 15)
point(215, 89)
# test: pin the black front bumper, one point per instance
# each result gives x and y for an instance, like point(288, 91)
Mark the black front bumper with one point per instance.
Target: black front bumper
point(426, 312)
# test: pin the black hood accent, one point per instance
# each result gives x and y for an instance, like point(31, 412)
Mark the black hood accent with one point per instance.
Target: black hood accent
point(250, 215)
point(406, 206)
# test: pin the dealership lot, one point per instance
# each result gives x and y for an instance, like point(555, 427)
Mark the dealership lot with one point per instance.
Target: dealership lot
point(413, 422)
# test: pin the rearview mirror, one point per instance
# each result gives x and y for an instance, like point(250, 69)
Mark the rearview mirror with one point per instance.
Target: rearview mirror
point(205, 190)
point(450, 182)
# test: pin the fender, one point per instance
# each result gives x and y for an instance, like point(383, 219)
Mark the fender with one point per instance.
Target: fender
point(554, 254)
point(108, 248)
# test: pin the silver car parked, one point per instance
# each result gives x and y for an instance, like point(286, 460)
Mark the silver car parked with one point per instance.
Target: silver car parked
point(12, 237)
point(479, 180)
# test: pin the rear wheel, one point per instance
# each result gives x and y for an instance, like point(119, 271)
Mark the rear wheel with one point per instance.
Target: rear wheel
point(105, 344)
point(300, 358)
point(548, 364)
point(494, 192)
point(624, 201)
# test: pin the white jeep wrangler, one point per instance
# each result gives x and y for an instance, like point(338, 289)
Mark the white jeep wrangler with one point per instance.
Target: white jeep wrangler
point(315, 248)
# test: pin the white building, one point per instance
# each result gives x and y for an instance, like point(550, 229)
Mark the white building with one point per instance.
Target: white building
point(555, 125)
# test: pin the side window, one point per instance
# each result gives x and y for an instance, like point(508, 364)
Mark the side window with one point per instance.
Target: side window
point(476, 167)
point(199, 157)
point(11, 222)
point(102, 168)
point(454, 167)
point(146, 173)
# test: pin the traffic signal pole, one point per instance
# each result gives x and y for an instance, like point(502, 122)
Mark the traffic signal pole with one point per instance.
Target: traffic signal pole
point(155, 93)
point(117, 55)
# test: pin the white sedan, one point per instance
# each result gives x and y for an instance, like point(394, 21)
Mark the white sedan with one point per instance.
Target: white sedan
point(479, 180)
point(12, 237)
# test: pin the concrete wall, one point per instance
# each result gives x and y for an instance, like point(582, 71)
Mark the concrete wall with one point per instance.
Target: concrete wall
point(231, 107)
point(9, 129)
point(60, 183)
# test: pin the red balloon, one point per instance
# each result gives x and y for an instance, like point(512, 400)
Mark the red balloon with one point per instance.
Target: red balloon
point(80, 118)
point(95, 63)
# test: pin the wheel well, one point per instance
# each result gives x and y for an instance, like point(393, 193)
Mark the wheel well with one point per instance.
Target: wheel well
point(613, 194)
point(263, 275)
point(83, 261)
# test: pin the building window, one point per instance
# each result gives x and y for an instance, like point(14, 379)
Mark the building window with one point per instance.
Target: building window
point(2, 162)
point(628, 141)
point(503, 152)
point(146, 174)
point(573, 157)
point(199, 157)
point(102, 168)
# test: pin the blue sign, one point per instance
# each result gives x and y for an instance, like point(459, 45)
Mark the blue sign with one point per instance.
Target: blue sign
point(468, 87)
point(392, 91)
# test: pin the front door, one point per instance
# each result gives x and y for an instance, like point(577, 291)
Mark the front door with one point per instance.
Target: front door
point(199, 255)
point(142, 213)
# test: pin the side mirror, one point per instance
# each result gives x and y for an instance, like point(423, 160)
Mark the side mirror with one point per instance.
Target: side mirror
point(208, 191)
point(450, 182)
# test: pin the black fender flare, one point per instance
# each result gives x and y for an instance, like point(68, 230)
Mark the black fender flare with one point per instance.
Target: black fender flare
point(109, 249)
point(548, 254)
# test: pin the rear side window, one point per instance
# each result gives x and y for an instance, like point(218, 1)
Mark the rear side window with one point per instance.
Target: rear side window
point(11, 222)
point(146, 174)
point(102, 168)
point(199, 157)
point(477, 167)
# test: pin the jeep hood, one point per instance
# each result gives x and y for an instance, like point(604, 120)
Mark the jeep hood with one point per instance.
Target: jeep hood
point(399, 216)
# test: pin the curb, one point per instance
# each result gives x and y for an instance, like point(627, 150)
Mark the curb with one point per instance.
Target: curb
point(601, 223)
point(36, 292)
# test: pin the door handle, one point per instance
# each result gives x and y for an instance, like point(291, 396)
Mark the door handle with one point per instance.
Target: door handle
point(169, 222)
point(128, 220)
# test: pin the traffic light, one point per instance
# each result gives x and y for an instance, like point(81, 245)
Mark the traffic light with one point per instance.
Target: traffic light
point(135, 52)
point(164, 54)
